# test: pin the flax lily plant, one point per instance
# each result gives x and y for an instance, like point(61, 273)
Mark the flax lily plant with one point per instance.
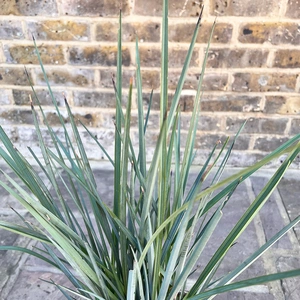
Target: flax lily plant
point(146, 245)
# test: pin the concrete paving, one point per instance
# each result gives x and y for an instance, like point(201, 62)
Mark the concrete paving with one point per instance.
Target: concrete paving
point(20, 276)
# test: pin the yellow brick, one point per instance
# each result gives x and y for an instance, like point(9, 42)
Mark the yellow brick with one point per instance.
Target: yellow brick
point(60, 30)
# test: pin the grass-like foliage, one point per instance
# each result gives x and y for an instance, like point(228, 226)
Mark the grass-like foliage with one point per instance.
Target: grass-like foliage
point(148, 244)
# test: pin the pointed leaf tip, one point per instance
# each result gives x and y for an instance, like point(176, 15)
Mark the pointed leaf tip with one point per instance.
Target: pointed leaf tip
point(65, 99)
point(200, 15)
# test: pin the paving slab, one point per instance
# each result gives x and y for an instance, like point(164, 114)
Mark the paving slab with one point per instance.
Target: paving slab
point(271, 215)
point(31, 286)
point(289, 190)
point(10, 261)
point(291, 286)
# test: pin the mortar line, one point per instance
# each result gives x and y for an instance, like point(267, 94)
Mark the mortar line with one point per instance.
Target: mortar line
point(130, 17)
point(267, 257)
point(148, 90)
point(298, 85)
point(59, 8)
point(251, 142)
point(97, 78)
point(270, 59)
point(156, 45)
point(234, 41)
point(189, 92)
point(285, 217)
point(237, 115)
point(263, 103)
point(2, 56)
point(283, 7)
point(24, 29)
point(131, 7)
point(92, 31)
point(207, 8)
point(192, 70)
point(288, 126)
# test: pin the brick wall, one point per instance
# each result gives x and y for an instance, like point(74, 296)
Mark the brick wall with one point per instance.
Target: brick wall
point(253, 67)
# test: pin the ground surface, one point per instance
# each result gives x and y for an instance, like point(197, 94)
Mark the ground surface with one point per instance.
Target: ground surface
point(20, 274)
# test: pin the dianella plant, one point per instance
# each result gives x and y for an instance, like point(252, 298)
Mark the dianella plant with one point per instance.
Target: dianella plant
point(147, 245)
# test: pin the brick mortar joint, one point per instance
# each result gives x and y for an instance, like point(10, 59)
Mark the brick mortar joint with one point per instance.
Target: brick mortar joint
point(192, 70)
point(93, 32)
point(288, 126)
point(110, 111)
point(298, 84)
point(60, 88)
point(141, 18)
point(283, 7)
point(155, 45)
point(270, 59)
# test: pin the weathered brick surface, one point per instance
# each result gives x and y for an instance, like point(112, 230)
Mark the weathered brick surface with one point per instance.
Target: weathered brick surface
point(269, 82)
point(269, 143)
point(205, 123)
point(11, 30)
point(273, 126)
point(101, 55)
point(234, 124)
point(245, 8)
point(208, 141)
point(5, 97)
point(230, 103)
point(211, 81)
point(177, 8)
point(282, 105)
point(186, 102)
point(91, 8)
point(27, 54)
point(287, 59)
point(150, 78)
point(74, 77)
point(28, 8)
point(59, 30)
point(87, 119)
point(107, 31)
point(226, 103)
point(107, 77)
point(182, 33)
point(263, 125)
point(13, 76)
point(15, 116)
point(21, 97)
point(274, 33)
point(177, 57)
point(150, 57)
point(237, 58)
point(146, 31)
point(293, 9)
point(95, 99)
